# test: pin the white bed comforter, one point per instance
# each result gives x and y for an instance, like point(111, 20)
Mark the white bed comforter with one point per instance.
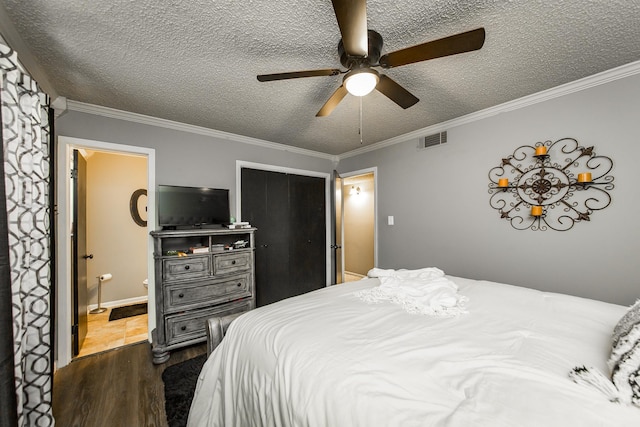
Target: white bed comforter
point(329, 359)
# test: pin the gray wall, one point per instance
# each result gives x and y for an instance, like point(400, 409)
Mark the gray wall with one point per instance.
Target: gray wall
point(184, 158)
point(440, 202)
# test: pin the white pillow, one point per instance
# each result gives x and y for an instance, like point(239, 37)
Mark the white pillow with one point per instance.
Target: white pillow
point(624, 361)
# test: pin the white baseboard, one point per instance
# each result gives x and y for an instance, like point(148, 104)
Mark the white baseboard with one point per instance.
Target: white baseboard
point(118, 303)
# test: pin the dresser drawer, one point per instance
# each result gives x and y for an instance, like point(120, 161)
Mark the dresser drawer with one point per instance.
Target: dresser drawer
point(192, 325)
point(192, 267)
point(231, 262)
point(193, 295)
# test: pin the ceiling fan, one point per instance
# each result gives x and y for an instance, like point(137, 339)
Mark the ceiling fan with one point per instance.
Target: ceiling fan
point(360, 50)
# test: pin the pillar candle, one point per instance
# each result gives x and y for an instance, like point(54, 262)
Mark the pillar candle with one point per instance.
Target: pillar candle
point(536, 210)
point(503, 182)
point(541, 150)
point(584, 177)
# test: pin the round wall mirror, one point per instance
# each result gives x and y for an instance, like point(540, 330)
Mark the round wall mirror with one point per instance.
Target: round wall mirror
point(135, 207)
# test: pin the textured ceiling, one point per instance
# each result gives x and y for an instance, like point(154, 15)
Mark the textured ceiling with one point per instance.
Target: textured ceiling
point(196, 62)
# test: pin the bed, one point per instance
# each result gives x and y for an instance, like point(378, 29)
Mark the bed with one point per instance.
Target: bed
point(328, 358)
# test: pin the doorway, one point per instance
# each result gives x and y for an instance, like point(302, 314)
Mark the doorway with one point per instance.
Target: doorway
point(114, 283)
point(359, 243)
point(359, 225)
point(104, 272)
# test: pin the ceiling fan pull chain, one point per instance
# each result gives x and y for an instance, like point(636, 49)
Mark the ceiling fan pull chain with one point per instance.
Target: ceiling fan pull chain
point(360, 130)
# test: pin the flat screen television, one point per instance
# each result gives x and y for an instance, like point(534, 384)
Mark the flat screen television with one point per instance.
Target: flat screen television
point(182, 207)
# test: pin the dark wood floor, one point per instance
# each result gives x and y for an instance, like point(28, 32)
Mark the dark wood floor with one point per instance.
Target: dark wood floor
point(121, 387)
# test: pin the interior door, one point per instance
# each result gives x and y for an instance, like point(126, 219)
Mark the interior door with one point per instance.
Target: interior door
point(265, 205)
point(289, 212)
point(79, 251)
point(307, 219)
point(338, 241)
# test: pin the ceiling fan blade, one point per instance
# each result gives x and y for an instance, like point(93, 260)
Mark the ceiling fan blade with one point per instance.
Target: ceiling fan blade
point(352, 20)
point(395, 92)
point(459, 43)
point(332, 102)
point(298, 74)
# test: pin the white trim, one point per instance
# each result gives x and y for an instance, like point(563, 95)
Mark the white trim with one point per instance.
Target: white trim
point(327, 190)
point(526, 101)
point(374, 171)
point(183, 127)
point(119, 303)
point(63, 244)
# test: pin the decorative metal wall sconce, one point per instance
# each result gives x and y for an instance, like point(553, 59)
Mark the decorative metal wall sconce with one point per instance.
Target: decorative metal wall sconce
point(550, 185)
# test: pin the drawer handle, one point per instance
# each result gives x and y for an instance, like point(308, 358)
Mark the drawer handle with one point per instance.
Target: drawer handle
point(184, 328)
point(181, 295)
point(186, 267)
point(233, 262)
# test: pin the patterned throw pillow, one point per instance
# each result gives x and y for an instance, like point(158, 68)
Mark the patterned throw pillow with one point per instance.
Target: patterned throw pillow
point(624, 361)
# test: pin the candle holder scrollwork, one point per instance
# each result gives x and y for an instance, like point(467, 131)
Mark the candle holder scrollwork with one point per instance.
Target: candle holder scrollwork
point(550, 185)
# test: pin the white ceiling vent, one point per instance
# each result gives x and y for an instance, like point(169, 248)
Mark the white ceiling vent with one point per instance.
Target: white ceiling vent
point(433, 140)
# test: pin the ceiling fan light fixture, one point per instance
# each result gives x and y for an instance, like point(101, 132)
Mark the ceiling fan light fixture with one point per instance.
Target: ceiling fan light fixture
point(361, 82)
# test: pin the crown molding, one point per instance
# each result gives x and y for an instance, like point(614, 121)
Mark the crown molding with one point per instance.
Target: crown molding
point(604, 77)
point(183, 127)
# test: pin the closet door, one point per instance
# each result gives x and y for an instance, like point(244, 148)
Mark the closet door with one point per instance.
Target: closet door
point(307, 218)
point(289, 213)
point(265, 205)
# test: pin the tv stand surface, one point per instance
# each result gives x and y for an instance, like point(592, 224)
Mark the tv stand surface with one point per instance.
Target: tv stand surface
point(193, 227)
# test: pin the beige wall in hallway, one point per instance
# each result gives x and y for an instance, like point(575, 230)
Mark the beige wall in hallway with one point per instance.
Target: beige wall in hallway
point(359, 224)
point(118, 244)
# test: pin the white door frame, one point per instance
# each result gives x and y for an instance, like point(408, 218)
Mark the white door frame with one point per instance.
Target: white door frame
point(374, 171)
point(327, 195)
point(64, 310)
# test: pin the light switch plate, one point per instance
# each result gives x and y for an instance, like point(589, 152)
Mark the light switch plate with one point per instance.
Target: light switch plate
point(390, 220)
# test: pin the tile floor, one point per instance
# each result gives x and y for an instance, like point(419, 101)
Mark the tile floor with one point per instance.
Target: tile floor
point(352, 277)
point(103, 335)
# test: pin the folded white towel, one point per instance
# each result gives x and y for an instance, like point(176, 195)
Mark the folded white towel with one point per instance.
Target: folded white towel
point(380, 272)
point(423, 291)
point(426, 273)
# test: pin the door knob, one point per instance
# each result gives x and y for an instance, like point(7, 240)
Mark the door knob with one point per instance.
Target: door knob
point(90, 256)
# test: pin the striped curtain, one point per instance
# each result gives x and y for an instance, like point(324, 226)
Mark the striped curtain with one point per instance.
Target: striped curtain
point(26, 161)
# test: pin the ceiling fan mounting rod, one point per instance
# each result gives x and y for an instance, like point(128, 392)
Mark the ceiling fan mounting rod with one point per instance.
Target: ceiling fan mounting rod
point(373, 55)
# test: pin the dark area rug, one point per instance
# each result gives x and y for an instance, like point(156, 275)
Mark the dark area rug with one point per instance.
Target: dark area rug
point(128, 311)
point(179, 386)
